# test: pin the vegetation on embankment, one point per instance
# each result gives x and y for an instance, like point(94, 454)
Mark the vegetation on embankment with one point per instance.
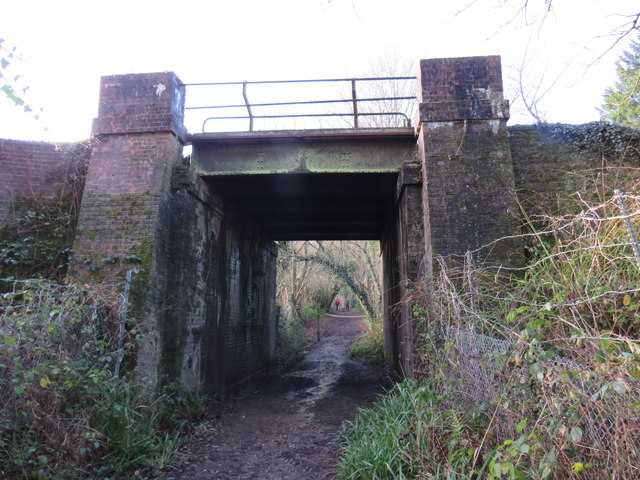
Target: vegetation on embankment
point(369, 347)
point(408, 433)
point(64, 413)
point(531, 373)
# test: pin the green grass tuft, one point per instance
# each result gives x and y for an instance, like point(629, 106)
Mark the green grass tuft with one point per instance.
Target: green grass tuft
point(369, 347)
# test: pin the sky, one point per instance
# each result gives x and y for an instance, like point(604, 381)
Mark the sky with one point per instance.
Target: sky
point(567, 54)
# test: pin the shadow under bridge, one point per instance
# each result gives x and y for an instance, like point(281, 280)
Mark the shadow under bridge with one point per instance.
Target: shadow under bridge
point(309, 184)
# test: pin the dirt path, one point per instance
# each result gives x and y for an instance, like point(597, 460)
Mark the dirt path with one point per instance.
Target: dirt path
point(286, 427)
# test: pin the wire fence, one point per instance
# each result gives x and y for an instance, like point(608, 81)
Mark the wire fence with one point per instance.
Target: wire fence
point(554, 344)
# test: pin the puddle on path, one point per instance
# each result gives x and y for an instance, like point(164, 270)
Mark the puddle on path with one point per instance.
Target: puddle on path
point(287, 426)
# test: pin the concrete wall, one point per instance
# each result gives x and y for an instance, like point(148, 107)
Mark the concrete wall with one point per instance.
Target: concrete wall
point(403, 251)
point(219, 323)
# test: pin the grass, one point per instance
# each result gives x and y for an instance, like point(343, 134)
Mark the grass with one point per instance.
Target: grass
point(369, 347)
point(407, 434)
point(291, 339)
point(376, 443)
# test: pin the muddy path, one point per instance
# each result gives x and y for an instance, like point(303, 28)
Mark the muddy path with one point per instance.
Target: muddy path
point(286, 427)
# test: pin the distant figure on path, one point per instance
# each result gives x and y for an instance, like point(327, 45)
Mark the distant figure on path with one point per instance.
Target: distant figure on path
point(337, 304)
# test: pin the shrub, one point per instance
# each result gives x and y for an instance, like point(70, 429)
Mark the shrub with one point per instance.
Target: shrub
point(64, 414)
point(548, 351)
point(533, 372)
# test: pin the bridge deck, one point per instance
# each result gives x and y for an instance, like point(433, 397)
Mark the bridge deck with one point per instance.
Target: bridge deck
point(309, 184)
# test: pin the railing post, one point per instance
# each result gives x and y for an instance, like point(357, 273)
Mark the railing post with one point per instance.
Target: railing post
point(354, 98)
point(635, 245)
point(246, 102)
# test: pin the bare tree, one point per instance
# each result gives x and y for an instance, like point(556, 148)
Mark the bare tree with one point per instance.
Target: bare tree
point(389, 65)
point(314, 272)
point(383, 100)
point(534, 79)
point(532, 85)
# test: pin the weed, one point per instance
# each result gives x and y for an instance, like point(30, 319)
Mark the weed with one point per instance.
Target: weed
point(369, 347)
point(291, 339)
point(407, 434)
point(64, 414)
point(533, 372)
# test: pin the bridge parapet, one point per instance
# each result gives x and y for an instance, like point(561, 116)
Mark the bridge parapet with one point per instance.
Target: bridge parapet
point(303, 104)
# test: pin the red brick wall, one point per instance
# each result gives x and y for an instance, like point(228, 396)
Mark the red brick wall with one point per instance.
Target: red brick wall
point(32, 169)
point(141, 103)
point(139, 120)
point(124, 213)
point(125, 183)
point(553, 162)
point(464, 147)
point(461, 88)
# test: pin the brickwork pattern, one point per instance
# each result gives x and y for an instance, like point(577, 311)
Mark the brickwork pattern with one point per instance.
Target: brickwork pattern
point(123, 192)
point(149, 102)
point(31, 169)
point(470, 187)
point(124, 216)
point(220, 327)
point(548, 166)
point(403, 252)
point(464, 148)
point(461, 88)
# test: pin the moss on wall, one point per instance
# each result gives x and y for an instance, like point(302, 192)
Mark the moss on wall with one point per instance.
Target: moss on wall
point(142, 257)
point(38, 231)
point(555, 162)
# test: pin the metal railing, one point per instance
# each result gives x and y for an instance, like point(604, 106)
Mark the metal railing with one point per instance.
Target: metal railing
point(353, 101)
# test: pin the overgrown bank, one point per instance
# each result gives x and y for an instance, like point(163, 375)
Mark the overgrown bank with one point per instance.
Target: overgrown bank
point(526, 373)
point(65, 412)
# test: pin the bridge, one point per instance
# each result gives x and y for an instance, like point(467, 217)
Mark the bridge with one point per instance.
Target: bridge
point(198, 235)
point(309, 185)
